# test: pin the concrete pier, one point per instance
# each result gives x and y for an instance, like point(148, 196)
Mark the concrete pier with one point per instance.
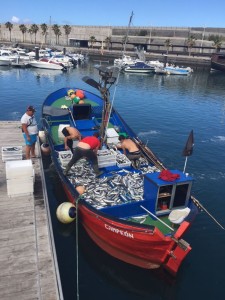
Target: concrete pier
point(27, 257)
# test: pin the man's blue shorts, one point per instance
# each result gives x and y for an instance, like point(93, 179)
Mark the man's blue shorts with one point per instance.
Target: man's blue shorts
point(33, 139)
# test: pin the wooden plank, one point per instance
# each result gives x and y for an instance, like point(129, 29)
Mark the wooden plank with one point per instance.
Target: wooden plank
point(26, 260)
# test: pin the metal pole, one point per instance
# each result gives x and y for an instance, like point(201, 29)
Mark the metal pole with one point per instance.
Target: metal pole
point(156, 217)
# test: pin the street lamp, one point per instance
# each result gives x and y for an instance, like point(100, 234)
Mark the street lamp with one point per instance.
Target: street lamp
point(203, 35)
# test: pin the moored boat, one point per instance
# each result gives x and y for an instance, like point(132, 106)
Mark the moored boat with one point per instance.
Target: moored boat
point(218, 61)
point(45, 63)
point(137, 212)
point(139, 67)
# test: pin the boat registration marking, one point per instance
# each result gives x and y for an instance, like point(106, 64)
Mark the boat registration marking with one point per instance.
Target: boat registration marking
point(119, 231)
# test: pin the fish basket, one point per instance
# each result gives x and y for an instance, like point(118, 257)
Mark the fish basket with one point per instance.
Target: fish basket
point(106, 158)
point(122, 161)
point(11, 153)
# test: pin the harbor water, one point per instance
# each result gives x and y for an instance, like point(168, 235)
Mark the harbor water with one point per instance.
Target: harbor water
point(162, 110)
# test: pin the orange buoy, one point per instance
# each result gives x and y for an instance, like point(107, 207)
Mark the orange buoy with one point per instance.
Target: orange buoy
point(80, 94)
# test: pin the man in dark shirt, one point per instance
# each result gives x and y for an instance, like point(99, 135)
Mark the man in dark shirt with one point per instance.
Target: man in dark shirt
point(87, 147)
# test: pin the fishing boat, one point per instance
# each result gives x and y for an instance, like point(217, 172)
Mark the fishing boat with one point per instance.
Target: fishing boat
point(136, 211)
point(218, 61)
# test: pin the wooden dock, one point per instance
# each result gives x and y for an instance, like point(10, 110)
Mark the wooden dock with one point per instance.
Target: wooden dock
point(28, 264)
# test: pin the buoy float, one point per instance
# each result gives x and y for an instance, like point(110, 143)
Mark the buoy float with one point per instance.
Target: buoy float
point(80, 94)
point(66, 212)
point(45, 149)
point(80, 189)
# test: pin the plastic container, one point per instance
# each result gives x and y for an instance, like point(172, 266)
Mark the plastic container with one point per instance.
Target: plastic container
point(112, 136)
point(60, 134)
point(19, 169)
point(65, 157)
point(12, 153)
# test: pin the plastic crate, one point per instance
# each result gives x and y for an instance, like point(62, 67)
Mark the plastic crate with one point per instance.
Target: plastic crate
point(11, 153)
point(126, 162)
point(107, 164)
point(65, 157)
point(106, 156)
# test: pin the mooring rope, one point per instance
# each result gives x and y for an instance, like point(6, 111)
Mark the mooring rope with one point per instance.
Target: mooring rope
point(77, 248)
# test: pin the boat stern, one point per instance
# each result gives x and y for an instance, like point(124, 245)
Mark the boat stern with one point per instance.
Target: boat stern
point(178, 251)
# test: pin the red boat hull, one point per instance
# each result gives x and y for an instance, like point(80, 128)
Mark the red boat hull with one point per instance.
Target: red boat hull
point(135, 244)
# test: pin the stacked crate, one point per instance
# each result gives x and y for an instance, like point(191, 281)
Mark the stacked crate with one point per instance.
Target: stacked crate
point(19, 177)
point(106, 158)
point(11, 153)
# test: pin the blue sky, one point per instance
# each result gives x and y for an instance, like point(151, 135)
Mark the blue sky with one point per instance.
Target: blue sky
point(180, 13)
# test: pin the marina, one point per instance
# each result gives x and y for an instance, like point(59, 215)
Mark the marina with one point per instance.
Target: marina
point(177, 104)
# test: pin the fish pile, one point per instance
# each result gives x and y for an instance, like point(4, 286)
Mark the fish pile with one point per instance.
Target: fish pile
point(116, 188)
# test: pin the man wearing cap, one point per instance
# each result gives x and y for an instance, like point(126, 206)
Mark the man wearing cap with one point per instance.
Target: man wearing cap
point(30, 131)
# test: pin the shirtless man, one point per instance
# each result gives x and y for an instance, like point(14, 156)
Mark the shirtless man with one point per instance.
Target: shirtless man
point(129, 148)
point(70, 134)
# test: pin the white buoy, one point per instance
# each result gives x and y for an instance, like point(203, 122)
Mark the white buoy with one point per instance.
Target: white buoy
point(66, 212)
point(45, 149)
point(42, 137)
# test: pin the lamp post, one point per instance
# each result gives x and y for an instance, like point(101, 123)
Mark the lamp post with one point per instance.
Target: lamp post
point(150, 36)
point(203, 35)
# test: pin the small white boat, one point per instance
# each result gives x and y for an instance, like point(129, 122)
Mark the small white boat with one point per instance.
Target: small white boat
point(173, 70)
point(5, 58)
point(126, 60)
point(45, 63)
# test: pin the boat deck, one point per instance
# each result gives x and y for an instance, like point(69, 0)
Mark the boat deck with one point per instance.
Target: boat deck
point(28, 268)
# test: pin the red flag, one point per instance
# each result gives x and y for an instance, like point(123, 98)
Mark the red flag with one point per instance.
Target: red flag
point(188, 149)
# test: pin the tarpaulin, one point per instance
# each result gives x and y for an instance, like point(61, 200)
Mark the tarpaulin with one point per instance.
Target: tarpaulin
point(168, 176)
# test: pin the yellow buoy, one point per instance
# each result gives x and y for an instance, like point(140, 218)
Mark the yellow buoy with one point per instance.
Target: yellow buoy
point(66, 212)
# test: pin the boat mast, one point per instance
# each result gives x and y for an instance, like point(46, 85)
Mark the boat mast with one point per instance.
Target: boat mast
point(127, 33)
point(50, 31)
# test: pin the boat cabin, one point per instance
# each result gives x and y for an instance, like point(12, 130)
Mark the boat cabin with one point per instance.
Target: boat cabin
point(164, 196)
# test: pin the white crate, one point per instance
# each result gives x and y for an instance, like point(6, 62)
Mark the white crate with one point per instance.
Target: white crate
point(18, 187)
point(60, 134)
point(17, 169)
point(126, 163)
point(65, 157)
point(112, 136)
point(106, 164)
point(106, 156)
point(12, 153)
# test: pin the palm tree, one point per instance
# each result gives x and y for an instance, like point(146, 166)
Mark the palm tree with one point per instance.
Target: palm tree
point(57, 32)
point(30, 32)
point(108, 41)
point(217, 42)
point(23, 29)
point(67, 29)
point(44, 29)
point(92, 40)
point(168, 44)
point(190, 43)
point(9, 25)
point(34, 29)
